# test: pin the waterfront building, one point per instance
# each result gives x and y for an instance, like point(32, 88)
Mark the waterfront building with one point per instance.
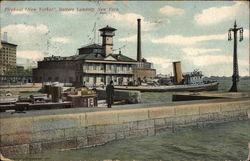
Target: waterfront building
point(7, 56)
point(95, 65)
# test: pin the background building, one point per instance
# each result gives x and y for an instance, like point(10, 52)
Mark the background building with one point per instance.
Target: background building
point(7, 56)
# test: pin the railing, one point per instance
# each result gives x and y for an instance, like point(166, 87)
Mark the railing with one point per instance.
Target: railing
point(107, 72)
point(94, 71)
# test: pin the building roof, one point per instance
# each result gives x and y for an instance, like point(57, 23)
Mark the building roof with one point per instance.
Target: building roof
point(91, 46)
point(7, 43)
point(98, 56)
point(107, 28)
point(120, 57)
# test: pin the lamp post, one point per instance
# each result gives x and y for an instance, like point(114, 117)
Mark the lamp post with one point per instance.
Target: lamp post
point(235, 77)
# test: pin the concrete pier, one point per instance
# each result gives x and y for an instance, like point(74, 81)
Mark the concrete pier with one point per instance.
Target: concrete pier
point(129, 96)
point(65, 129)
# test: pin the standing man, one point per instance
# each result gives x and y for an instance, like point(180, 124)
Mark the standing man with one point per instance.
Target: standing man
point(110, 94)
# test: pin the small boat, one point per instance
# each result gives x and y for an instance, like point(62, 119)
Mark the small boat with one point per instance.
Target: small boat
point(187, 87)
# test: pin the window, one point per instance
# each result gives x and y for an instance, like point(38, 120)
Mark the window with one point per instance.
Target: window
point(115, 78)
point(114, 68)
point(90, 67)
point(108, 66)
point(94, 66)
point(97, 66)
point(102, 66)
point(87, 66)
point(87, 79)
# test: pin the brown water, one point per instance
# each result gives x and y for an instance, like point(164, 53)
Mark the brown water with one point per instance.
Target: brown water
point(228, 141)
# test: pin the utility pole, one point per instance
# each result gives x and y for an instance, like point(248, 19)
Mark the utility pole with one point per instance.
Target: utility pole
point(235, 77)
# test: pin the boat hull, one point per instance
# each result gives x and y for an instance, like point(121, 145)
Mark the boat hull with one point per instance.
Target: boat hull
point(203, 87)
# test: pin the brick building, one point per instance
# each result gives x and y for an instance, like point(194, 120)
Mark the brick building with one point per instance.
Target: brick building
point(7, 56)
point(144, 71)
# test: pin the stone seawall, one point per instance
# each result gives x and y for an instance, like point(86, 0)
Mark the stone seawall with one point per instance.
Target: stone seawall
point(36, 134)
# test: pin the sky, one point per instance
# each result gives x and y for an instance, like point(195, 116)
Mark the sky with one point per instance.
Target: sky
point(195, 33)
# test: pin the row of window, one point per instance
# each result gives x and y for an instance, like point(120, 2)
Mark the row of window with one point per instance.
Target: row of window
point(7, 55)
point(94, 79)
point(7, 58)
point(110, 67)
point(5, 48)
point(8, 51)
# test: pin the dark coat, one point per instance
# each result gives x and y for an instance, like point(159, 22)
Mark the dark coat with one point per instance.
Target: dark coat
point(110, 94)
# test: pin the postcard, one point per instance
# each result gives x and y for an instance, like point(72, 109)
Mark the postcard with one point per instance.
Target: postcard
point(124, 80)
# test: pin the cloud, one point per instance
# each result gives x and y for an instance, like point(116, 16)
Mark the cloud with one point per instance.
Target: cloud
point(197, 51)
point(162, 62)
point(244, 62)
point(27, 36)
point(217, 64)
point(24, 28)
point(30, 54)
point(206, 60)
point(182, 40)
point(246, 33)
point(133, 38)
point(171, 11)
point(62, 40)
point(215, 15)
point(161, 20)
point(129, 20)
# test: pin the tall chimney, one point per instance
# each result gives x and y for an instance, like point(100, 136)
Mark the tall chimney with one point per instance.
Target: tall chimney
point(5, 37)
point(139, 40)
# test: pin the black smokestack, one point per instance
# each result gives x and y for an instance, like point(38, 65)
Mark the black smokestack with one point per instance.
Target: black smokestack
point(139, 40)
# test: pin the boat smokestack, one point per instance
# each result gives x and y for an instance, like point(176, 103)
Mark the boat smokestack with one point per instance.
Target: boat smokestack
point(177, 72)
point(138, 40)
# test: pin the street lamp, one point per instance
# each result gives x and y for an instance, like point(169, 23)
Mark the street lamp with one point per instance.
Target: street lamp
point(235, 77)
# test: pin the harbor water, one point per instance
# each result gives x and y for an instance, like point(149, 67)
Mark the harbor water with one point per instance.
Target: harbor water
point(227, 141)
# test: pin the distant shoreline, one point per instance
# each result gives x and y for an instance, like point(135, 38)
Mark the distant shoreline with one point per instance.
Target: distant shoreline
point(226, 78)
